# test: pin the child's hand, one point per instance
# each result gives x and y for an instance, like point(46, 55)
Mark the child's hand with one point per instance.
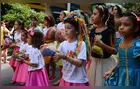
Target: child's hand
point(12, 45)
point(57, 56)
point(20, 59)
point(107, 74)
point(97, 41)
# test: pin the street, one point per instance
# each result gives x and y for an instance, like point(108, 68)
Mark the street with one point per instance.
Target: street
point(7, 73)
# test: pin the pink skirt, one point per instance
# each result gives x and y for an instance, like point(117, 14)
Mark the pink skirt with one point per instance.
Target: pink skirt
point(13, 62)
point(21, 73)
point(38, 78)
point(64, 83)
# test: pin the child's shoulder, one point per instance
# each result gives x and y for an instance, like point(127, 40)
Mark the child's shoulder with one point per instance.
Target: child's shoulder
point(136, 50)
point(137, 42)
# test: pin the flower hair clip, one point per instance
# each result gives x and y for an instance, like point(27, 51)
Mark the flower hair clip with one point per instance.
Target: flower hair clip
point(31, 32)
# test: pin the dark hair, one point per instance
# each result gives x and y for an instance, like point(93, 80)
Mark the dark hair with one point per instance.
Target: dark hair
point(119, 11)
point(37, 39)
point(25, 32)
point(108, 19)
point(35, 18)
point(85, 18)
point(134, 21)
point(21, 23)
point(74, 23)
point(50, 19)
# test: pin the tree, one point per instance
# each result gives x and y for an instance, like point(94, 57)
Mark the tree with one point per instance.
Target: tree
point(24, 13)
point(132, 7)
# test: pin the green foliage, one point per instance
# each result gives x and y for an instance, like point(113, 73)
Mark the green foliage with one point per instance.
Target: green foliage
point(132, 7)
point(24, 13)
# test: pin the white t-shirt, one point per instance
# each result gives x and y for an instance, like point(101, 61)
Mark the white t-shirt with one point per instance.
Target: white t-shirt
point(35, 57)
point(24, 47)
point(72, 73)
point(17, 38)
point(60, 26)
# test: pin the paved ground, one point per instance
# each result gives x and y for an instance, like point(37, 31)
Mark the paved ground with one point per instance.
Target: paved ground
point(7, 73)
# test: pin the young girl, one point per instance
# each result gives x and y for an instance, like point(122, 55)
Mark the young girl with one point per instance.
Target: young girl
point(19, 26)
point(101, 39)
point(61, 29)
point(34, 25)
point(37, 74)
point(21, 72)
point(127, 71)
point(49, 35)
point(73, 55)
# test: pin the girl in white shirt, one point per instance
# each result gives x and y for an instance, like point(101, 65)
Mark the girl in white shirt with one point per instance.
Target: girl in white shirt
point(49, 35)
point(37, 74)
point(21, 72)
point(19, 26)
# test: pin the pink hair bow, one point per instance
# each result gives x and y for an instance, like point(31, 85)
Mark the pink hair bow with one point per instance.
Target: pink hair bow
point(138, 18)
point(31, 32)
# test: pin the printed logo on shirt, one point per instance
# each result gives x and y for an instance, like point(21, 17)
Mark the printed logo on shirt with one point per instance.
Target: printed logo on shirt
point(24, 51)
point(17, 41)
point(71, 53)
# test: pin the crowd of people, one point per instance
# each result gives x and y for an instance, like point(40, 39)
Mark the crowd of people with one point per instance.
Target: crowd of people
point(106, 55)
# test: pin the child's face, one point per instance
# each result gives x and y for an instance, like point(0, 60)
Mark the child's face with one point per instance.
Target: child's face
point(29, 39)
point(16, 25)
point(61, 16)
point(34, 22)
point(126, 27)
point(23, 37)
point(96, 18)
point(70, 31)
point(45, 22)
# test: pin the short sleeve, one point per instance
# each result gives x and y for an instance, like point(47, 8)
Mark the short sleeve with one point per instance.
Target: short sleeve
point(21, 48)
point(118, 42)
point(28, 49)
point(136, 51)
point(60, 47)
point(82, 54)
point(35, 56)
point(5, 29)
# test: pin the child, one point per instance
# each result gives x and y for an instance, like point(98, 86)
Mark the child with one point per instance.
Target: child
point(60, 31)
point(34, 25)
point(73, 54)
point(49, 35)
point(127, 71)
point(37, 74)
point(21, 72)
point(102, 40)
point(19, 26)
